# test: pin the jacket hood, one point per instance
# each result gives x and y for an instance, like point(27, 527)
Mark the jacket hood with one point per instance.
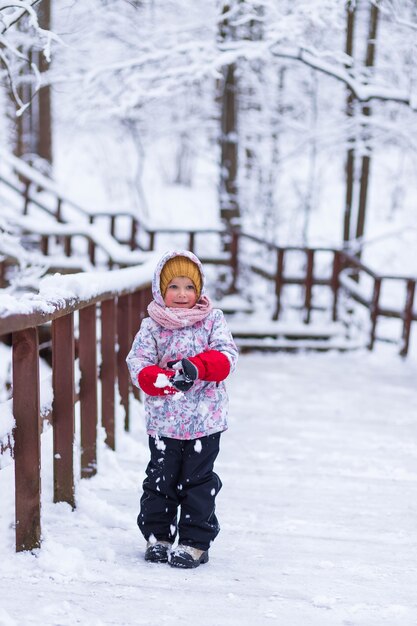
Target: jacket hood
point(156, 289)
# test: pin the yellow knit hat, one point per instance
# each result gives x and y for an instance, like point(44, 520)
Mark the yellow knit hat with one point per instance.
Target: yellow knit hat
point(180, 266)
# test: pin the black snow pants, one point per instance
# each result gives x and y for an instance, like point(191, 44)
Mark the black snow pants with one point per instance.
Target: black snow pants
point(180, 474)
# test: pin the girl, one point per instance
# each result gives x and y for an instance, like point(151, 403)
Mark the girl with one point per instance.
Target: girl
point(179, 358)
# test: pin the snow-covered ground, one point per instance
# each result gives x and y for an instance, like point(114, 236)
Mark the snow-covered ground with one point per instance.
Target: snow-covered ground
point(318, 512)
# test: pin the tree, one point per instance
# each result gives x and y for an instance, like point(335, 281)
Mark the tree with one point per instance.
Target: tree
point(229, 204)
point(26, 39)
point(160, 63)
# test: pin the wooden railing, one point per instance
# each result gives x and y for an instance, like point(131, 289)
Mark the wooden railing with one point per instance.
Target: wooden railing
point(27, 182)
point(117, 311)
point(344, 266)
point(352, 271)
point(347, 274)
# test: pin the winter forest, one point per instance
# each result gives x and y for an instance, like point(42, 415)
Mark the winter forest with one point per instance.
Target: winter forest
point(286, 110)
point(276, 139)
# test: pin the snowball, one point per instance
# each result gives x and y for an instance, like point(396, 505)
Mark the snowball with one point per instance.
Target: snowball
point(162, 381)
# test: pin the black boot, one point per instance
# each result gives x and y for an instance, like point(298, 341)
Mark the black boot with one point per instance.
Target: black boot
point(187, 557)
point(158, 551)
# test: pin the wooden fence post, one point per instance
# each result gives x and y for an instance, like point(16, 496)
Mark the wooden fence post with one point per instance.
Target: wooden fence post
point(58, 211)
point(63, 407)
point(91, 251)
point(67, 245)
point(279, 281)
point(335, 282)
point(45, 245)
point(27, 439)
point(123, 340)
point(108, 369)
point(234, 259)
point(133, 229)
point(374, 309)
point(88, 390)
point(408, 316)
point(26, 197)
point(135, 317)
point(3, 282)
point(309, 285)
point(135, 321)
point(191, 241)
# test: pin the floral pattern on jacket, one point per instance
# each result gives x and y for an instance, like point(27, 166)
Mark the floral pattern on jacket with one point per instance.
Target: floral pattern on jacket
point(203, 409)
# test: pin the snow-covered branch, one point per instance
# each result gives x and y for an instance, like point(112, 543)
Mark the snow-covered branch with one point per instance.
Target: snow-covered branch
point(11, 12)
point(364, 92)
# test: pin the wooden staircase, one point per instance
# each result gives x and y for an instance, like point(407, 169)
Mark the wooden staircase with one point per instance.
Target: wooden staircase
point(253, 331)
point(67, 238)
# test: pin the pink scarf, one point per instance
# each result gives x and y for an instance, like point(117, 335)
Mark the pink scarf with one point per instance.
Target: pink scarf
point(180, 318)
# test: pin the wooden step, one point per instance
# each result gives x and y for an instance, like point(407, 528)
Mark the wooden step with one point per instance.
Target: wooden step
point(340, 344)
point(252, 333)
point(255, 327)
point(233, 304)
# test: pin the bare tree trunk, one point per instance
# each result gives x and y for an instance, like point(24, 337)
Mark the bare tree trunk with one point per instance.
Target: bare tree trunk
point(44, 130)
point(350, 159)
point(22, 123)
point(309, 199)
point(33, 129)
point(229, 204)
point(366, 159)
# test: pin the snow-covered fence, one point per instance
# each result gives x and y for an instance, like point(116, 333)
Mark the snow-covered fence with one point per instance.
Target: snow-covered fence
point(276, 264)
point(383, 295)
point(396, 302)
point(27, 182)
point(113, 302)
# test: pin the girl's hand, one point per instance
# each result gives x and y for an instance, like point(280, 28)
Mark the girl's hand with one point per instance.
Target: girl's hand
point(156, 381)
point(185, 374)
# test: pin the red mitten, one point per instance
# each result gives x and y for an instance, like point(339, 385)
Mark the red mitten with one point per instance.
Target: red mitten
point(212, 366)
point(149, 383)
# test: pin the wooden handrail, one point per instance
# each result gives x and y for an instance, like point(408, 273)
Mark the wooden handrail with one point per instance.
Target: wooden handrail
point(343, 262)
point(116, 296)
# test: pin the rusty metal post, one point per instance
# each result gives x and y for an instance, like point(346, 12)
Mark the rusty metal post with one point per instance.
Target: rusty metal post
point(151, 240)
point(108, 369)
point(63, 407)
point(27, 435)
point(113, 225)
point(88, 390)
point(408, 316)
point(309, 285)
point(374, 310)
point(123, 340)
point(279, 281)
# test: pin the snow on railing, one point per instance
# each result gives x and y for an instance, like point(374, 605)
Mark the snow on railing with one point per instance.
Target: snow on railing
point(347, 273)
point(96, 238)
point(122, 297)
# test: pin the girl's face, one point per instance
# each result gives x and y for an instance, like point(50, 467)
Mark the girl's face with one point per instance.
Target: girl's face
point(180, 293)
